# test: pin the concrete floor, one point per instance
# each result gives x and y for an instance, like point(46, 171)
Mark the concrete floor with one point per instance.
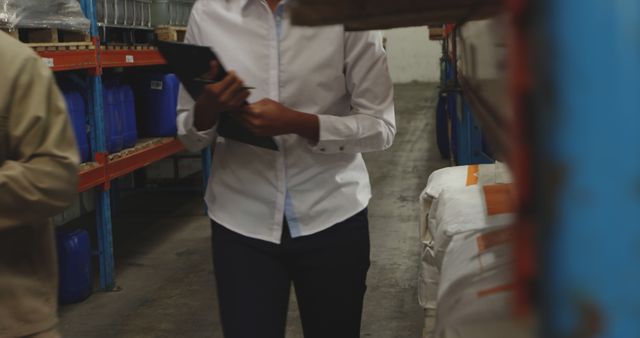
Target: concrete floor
point(164, 265)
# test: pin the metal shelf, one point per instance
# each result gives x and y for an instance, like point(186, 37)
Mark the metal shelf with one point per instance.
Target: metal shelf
point(145, 153)
point(91, 175)
point(92, 58)
point(108, 168)
point(130, 58)
point(385, 14)
point(102, 25)
point(61, 60)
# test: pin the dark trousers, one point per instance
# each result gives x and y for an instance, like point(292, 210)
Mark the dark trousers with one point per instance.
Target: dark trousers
point(328, 270)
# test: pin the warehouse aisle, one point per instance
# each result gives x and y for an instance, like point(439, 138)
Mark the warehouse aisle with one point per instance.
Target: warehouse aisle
point(164, 264)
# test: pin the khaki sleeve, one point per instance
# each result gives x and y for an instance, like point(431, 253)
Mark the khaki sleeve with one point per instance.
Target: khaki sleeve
point(39, 179)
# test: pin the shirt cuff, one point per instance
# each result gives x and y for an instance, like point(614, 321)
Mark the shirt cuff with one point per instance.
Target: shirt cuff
point(331, 136)
point(190, 136)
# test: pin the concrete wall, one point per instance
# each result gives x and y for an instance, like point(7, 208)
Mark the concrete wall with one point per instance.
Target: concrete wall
point(412, 56)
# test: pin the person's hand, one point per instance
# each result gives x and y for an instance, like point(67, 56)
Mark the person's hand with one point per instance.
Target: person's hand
point(226, 95)
point(270, 118)
point(267, 118)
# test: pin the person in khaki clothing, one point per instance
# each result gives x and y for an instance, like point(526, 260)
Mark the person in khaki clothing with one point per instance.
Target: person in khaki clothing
point(38, 179)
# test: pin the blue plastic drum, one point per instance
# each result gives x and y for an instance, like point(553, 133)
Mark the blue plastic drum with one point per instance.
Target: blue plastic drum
point(74, 260)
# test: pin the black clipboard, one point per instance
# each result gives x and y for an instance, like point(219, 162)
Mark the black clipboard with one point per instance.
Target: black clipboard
point(190, 63)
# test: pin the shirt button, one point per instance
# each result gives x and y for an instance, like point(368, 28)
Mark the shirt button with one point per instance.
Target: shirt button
point(341, 148)
point(322, 149)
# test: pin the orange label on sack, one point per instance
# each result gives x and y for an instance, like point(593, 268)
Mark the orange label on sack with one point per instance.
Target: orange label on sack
point(472, 175)
point(498, 289)
point(494, 238)
point(499, 199)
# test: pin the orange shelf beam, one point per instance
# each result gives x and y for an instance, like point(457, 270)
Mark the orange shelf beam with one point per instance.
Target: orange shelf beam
point(61, 60)
point(102, 172)
point(135, 160)
point(130, 58)
point(94, 175)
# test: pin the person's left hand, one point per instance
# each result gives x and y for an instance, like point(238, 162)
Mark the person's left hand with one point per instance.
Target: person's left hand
point(268, 118)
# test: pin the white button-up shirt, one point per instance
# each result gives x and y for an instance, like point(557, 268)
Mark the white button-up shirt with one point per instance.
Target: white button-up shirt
point(340, 76)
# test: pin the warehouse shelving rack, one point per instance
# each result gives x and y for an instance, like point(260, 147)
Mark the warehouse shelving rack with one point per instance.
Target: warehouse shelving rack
point(105, 168)
point(465, 136)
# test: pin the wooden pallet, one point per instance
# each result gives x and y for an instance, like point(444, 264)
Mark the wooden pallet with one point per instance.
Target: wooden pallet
point(127, 47)
point(170, 33)
point(61, 46)
point(51, 36)
point(51, 39)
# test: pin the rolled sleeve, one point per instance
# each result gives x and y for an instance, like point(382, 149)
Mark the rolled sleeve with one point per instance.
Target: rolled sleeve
point(370, 126)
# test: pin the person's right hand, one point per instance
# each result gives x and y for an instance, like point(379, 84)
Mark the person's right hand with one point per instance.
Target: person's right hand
point(226, 95)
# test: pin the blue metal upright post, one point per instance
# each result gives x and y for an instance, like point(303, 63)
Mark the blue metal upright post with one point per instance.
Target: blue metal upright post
point(587, 136)
point(98, 145)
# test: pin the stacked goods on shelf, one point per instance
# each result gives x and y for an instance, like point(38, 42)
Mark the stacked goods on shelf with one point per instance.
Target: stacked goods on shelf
point(47, 26)
point(34, 16)
point(475, 298)
point(466, 269)
point(77, 113)
point(454, 177)
point(119, 117)
point(130, 13)
point(129, 130)
point(157, 103)
point(113, 126)
point(124, 22)
point(170, 18)
point(170, 12)
point(483, 77)
point(474, 245)
point(74, 264)
point(452, 202)
point(468, 209)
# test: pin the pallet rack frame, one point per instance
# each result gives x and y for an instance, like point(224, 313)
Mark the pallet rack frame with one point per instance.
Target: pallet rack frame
point(99, 174)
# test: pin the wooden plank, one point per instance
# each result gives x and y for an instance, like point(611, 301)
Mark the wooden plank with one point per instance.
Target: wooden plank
point(61, 46)
point(87, 45)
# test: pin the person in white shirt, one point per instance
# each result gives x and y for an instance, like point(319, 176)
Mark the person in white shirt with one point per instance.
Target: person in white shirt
point(297, 215)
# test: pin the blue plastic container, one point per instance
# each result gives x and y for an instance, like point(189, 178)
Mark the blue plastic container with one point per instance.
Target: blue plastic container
point(77, 114)
point(157, 104)
point(74, 261)
point(442, 126)
point(113, 116)
point(127, 101)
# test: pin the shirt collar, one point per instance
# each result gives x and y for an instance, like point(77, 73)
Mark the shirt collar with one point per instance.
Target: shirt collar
point(244, 3)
